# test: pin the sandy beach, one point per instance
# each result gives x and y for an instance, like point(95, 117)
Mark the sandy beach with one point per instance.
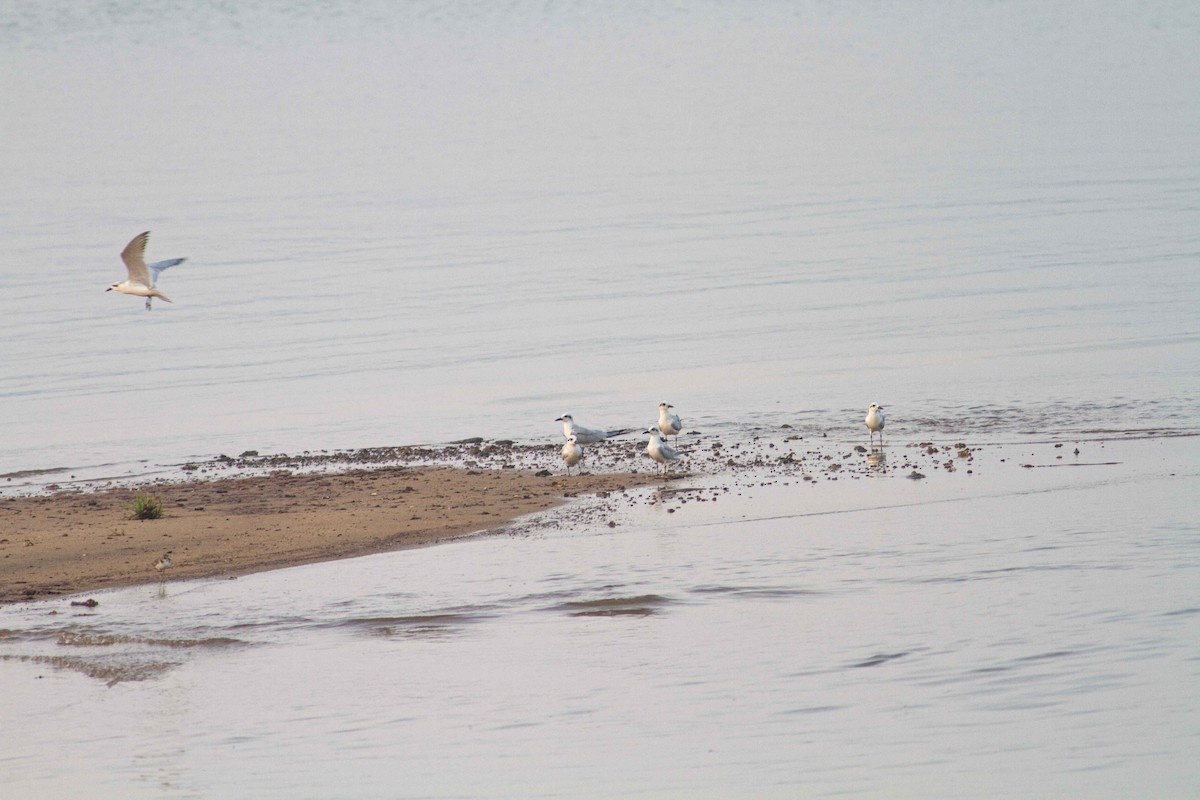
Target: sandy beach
point(72, 541)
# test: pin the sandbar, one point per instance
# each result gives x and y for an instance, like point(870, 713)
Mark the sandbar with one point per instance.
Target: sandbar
point(72, 542)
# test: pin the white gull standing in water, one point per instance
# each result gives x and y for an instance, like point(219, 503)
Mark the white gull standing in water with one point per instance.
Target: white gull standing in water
point(875, 422)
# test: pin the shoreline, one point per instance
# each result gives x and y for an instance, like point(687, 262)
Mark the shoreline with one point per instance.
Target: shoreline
point(72, 542)
point(230, 517)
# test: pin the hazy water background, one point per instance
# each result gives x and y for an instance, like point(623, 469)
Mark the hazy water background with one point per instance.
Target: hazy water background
point(419, 222)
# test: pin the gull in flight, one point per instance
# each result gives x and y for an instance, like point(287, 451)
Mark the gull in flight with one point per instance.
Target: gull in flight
point(668, 423)
point(660, 451)
point(572, 453)
point(586, 435)
point(875, 422)
point(142, 277)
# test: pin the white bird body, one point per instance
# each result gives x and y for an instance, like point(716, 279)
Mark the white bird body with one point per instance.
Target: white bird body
point(572, 453)
point(142, 279)
point(668, 424)
point(875, 422)
point(660, 451)
point(582, 435)
point(164, 563)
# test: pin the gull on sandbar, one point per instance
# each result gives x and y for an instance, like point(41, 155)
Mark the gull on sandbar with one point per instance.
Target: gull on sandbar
point(875, 422)
point(572, 453)
point(669, 423)
point(582, 435)
point(660, 451)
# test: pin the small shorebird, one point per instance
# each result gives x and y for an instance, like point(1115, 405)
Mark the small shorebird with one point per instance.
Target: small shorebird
point(875, 423)
point(669, 423)
point(660, 451)
point(163, 564)
point(142, 278)
point(583, 435)
point(572, 453)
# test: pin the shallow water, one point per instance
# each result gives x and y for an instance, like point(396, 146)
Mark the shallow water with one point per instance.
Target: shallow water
point(1015, 631)
point(421, 222)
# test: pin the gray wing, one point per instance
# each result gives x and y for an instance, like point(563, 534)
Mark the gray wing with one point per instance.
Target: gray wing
point(135, 259)
point(587, 435)
point(159, 266)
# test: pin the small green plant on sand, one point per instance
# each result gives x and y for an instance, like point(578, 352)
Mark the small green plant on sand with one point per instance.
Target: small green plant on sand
point(146, 506)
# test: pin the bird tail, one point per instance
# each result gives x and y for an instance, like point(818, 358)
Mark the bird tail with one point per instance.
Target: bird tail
point(620, 432)
point(159, 295)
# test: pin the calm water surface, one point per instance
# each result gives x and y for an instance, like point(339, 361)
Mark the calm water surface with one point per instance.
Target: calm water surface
point(419, 222)
point(1017, 631)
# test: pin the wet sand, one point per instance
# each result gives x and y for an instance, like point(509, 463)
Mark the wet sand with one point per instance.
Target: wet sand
point(72, 541)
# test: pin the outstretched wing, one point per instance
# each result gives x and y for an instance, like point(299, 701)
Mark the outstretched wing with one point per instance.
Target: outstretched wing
point(135, 261)
point(159, 266)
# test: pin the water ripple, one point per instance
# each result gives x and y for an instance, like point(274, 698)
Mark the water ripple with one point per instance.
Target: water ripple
point(639, 606)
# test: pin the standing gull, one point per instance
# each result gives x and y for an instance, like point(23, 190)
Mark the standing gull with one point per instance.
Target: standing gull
point(669, 423)
point(660, 451)
point(161, 566)
point(572, 453)
point(875, 422)
point(142, 278)
point(586, 435)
